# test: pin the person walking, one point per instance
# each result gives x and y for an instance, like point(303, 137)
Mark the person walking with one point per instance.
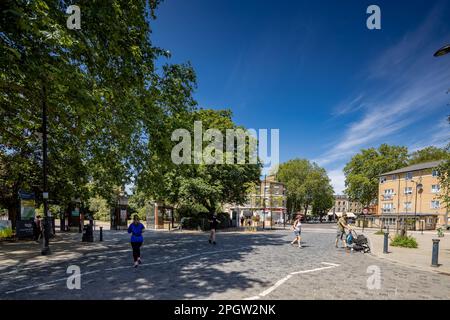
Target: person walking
point(37, 230)
point(136, 228)
point(213, 225)
point(342, 225)
point(297, 227)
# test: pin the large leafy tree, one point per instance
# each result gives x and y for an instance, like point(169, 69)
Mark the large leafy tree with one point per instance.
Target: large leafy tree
point(105, 99)
point(363, 170)
point(430, 153)
point(307, 185)
point(208, 185)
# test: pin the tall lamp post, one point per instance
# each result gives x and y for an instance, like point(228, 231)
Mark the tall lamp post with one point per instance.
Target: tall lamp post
point(443, 51)
point(419, 189)
point(45, 247)
point(264, 201)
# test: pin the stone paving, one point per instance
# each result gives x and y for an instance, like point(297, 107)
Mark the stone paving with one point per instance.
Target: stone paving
point(180, 265)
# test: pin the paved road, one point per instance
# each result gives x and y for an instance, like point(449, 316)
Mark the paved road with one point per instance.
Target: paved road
point(241, 266)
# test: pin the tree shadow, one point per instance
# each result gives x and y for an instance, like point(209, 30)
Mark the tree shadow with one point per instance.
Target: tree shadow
point(176, 266)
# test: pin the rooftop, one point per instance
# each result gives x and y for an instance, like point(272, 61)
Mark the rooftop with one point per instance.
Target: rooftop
point(415, 167)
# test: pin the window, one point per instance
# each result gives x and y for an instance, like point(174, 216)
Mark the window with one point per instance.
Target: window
point(407, 205)
point(394, 177)
point(387, 207)
point(435, 173)
point(388, 191)
point(408, 190)
point(382, 179)
point(435, 204)
point(408, 176)
point(435, 188)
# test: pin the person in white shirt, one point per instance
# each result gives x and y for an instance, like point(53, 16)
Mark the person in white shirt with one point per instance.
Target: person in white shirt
point(297, 227)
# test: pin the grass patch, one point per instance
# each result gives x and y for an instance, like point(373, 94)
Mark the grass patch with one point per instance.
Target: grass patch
point(405, 242)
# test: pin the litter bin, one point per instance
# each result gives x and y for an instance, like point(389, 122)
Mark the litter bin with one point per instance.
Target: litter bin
point(88, 234)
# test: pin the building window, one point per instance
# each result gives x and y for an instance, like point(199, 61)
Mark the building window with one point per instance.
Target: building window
point(387, 207)
point(382, 179)
point(389, 191)
point(435, 173)
point(435, 204)
point(408, 176)
point(435, 188)
point(407, 205)
point(408, 190)
point(394, 177)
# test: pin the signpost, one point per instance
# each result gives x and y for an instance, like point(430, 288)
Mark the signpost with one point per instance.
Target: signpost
point(24, 223)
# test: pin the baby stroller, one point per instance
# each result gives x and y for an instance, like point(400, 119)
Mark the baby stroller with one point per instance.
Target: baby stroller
point(358, 242)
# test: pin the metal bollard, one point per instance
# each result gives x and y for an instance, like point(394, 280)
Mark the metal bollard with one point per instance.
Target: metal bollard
point(101, 233)
point(435, 254)
point(386, 242)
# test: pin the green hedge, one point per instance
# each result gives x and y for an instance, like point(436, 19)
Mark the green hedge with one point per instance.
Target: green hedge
point(405, 242)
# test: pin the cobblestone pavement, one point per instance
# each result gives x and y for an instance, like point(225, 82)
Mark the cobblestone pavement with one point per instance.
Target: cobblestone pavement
point(241, 266)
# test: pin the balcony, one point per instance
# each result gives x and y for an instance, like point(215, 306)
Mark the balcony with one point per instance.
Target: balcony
point(386, 197)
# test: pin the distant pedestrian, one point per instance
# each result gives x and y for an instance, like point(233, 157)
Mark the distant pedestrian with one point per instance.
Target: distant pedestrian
point(297, 227)
point(136, 228)
point(213, 225)
point(37, 230)
point(342, 225)
point(242, 221)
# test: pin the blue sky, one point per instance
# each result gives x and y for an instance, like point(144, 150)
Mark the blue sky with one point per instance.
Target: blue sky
point(314, 71)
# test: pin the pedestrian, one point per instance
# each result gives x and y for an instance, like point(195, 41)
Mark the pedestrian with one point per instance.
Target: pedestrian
point(213, 225)
point(342, 225)
point(297, 227)
point(37, 230)
point(242, 221)
point(136, 228)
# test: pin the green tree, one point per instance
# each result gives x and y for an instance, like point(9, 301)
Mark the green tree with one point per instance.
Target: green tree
point(427, 154)
point(100, 208)
point(293, 175)
point(362, 172)
point(106, 101)
point(208, 185)
point(307, 185)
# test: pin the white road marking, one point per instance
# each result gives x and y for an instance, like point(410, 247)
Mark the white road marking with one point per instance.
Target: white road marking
point(283, 280)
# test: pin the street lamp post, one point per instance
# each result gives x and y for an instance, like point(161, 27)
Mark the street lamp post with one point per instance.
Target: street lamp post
point(264, 202)
point(45, 248)
point(443, 51)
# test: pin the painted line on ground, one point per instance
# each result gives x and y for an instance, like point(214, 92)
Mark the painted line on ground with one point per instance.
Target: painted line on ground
point(283, 280)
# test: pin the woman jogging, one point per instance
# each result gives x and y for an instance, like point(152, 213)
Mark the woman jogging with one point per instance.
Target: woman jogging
point(136, 228)
point(297, 227)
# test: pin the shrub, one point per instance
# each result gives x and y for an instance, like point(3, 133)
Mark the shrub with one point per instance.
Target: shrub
point(6, 233)
point(404, 241)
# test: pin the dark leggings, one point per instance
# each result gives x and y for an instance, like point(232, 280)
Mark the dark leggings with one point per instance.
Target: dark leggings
point(136, 250)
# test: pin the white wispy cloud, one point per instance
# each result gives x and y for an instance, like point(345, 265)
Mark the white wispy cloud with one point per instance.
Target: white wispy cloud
point(402, 87)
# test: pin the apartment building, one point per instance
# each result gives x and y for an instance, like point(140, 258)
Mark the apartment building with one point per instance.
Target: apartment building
point(343, 204)
point(267, 201)
point(412, 195)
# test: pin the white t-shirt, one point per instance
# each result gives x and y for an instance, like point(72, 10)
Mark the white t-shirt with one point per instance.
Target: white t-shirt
point(298, 225)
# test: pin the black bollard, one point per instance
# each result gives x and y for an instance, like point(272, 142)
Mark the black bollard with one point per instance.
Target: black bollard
point(435, 254)
point(101, 233)
point(386, 242)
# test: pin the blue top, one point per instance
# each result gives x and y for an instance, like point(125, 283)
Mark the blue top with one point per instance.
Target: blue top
point(136, 232)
